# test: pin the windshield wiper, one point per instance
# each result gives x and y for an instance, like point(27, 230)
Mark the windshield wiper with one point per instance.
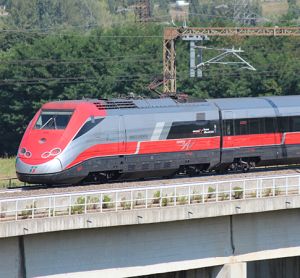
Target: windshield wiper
point(46, 123)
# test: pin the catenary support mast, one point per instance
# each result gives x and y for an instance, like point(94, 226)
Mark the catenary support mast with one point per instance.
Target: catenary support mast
point(172, 34)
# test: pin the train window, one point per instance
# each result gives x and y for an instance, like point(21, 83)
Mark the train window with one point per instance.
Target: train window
point(241, 126)
point(88, 126)
point(284, 124)
point(269, 125)
point(295, 123)
point(228, 127)
point(255, 126)
point(54, 119)
point(191, 129)
point(249, 126)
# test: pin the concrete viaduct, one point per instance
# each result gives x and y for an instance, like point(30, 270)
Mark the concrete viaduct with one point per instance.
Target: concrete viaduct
point(216, 238)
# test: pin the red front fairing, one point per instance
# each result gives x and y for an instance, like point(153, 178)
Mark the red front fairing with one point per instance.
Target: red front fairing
point(55, 138)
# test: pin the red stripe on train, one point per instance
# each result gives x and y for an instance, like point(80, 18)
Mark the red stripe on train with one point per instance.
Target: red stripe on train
point(150, 147)
point(252, 140)
point(189, 144)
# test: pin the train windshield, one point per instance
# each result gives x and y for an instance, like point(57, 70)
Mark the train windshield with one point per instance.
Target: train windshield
point(54, 119)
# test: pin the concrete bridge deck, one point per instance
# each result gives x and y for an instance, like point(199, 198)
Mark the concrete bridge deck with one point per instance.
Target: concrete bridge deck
point(135, 239)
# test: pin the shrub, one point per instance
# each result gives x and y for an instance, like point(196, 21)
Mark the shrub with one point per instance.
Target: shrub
point(182, 200)
point(28, 210)
point(253, 194)
point(223, 196)
point(124, 204)
point(196, 197)
point(165, 201)
point(268, 192)
point(277, 192)
point(210, 191)
point(92, 202)
point(106, 202)
point(139, 201)
point(238, 192)
point(156, 197)
point(78, 208)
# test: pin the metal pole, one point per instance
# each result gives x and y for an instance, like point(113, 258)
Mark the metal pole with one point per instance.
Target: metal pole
point(192, 59)
point(200, 59)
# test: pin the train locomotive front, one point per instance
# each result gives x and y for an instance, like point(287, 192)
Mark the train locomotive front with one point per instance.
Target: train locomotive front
point(42, 155)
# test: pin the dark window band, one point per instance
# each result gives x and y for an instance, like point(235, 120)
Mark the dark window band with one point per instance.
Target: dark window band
point(87, 126)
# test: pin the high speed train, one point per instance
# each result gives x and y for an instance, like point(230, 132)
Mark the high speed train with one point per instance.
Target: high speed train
point(70, 141)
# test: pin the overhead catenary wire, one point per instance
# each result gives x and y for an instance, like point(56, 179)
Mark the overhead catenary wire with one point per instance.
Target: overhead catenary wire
point(182, 76)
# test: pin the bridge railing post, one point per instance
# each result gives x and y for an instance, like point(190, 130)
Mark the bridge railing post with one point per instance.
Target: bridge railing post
point(85, 201)
point(189, 195)
point(116, 201)
point(217, 192)
point(244, 190)
point(260, 188)
point(146, 199)
point(230, 191)
point(101, 200)
point(203, 194)
point(54, 206)
point(286, 186)
point(70, 204)
point(175, 195)
point(32, 209)
point(131, 200)
point(49, 207)
point(16, 212)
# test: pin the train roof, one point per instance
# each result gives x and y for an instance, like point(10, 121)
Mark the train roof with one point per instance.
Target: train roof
point(259, 106)
point(238, 107)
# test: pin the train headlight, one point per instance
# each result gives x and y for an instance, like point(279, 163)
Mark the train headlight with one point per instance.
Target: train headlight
point(45, 155)
point(53, 152)
point(28, 154)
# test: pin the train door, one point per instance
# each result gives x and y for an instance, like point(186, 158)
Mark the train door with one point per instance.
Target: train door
point(228, 129)
point(122, 135)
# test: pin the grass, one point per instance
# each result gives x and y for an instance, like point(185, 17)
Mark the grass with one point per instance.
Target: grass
point(274, 9)
point(8, 170)
point(7, 167)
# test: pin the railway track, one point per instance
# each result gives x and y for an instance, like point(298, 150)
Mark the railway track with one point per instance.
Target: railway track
point(36, 190)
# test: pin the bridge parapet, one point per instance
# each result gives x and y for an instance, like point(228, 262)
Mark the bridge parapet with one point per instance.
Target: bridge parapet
point(146, 205)
point(163, 196)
